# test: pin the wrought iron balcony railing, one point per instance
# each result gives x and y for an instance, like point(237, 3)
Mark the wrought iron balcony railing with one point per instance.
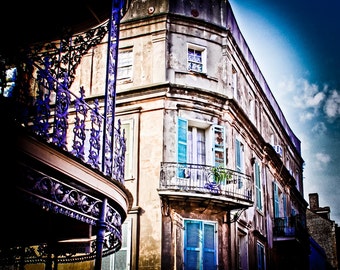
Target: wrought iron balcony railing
point(291, 226)
point(205, 179)
point(69, 122)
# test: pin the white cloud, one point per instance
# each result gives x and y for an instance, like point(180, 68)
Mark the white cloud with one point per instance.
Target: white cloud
point(321, 160)
point(308, 95)
point(306, 116)
point(319, 128)
point(309, 100)
point(332, 105)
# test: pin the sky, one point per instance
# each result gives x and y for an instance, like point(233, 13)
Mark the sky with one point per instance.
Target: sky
point(296, 45)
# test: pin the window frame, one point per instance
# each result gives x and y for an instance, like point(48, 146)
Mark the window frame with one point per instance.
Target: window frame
point(203, 63)
point(211, 131)
point(126, 247)
point(126, 66)
point(261, 256)
point(201, 249)
point(128, 127)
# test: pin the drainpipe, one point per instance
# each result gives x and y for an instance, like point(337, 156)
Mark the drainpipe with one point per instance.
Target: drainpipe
point(229, 239)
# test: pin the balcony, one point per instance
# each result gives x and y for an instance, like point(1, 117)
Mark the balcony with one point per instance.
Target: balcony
point(286, 228)
point(224, 187)
point(63, 197)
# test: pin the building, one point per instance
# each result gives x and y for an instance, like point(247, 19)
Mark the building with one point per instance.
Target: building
point(215, 171)
point(197, 109)
point(323, 230)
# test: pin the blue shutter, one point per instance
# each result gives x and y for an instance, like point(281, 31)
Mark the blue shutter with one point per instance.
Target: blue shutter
point(276, 200)
point(219, 146)
point(192, 245)
point(284, 198)
point(199, 245)
point(182, 140)
point(238, 155)
point(209, 252)
point(260, 257)
point(239, 162)
point(258, 186)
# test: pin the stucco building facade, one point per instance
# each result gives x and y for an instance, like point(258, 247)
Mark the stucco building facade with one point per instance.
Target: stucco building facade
point(192, 98)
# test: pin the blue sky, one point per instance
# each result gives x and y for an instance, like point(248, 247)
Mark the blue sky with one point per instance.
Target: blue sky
point(296, 45)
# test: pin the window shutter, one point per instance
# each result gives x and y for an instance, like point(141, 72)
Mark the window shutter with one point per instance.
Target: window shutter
point(192, 245)
point(258, 186)
point(200, 245)
point(276, 200)
point(182, 140)
point(238, 156)
point(127, 127)
point(219, 146)
point(260, 257)
point(209, 255)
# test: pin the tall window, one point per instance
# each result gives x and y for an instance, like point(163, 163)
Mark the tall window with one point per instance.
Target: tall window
point(200, 245)
point(128, 128)
point(260, 257)
point(242, 251)
point(121, 259)
point(234, 83)
point(196, 145)
point(276, 200)
point(194, 141)
point(196, 58)
point(125, 62)
point(258, 186)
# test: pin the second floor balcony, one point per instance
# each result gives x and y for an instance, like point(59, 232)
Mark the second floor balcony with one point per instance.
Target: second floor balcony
point(290, 228)
point(221, 185)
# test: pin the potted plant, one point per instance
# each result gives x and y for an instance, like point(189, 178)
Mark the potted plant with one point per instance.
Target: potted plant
point(221, 175)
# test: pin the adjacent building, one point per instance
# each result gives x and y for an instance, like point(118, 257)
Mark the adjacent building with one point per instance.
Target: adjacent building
point(323, 230)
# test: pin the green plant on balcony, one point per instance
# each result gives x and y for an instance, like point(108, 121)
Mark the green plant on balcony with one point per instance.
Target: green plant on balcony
point(221, 175)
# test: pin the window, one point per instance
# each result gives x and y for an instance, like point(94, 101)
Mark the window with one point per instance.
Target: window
point(260, 257)
point(252, 108)
point(9, 83)
point(196, 145)
point(196, 58)
point(128, 128)
point(200, 245)
point(125, 61)
point(242, 251)
point(258, 186)
point(234, 82)
point(121, 259)
point(194, 140)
